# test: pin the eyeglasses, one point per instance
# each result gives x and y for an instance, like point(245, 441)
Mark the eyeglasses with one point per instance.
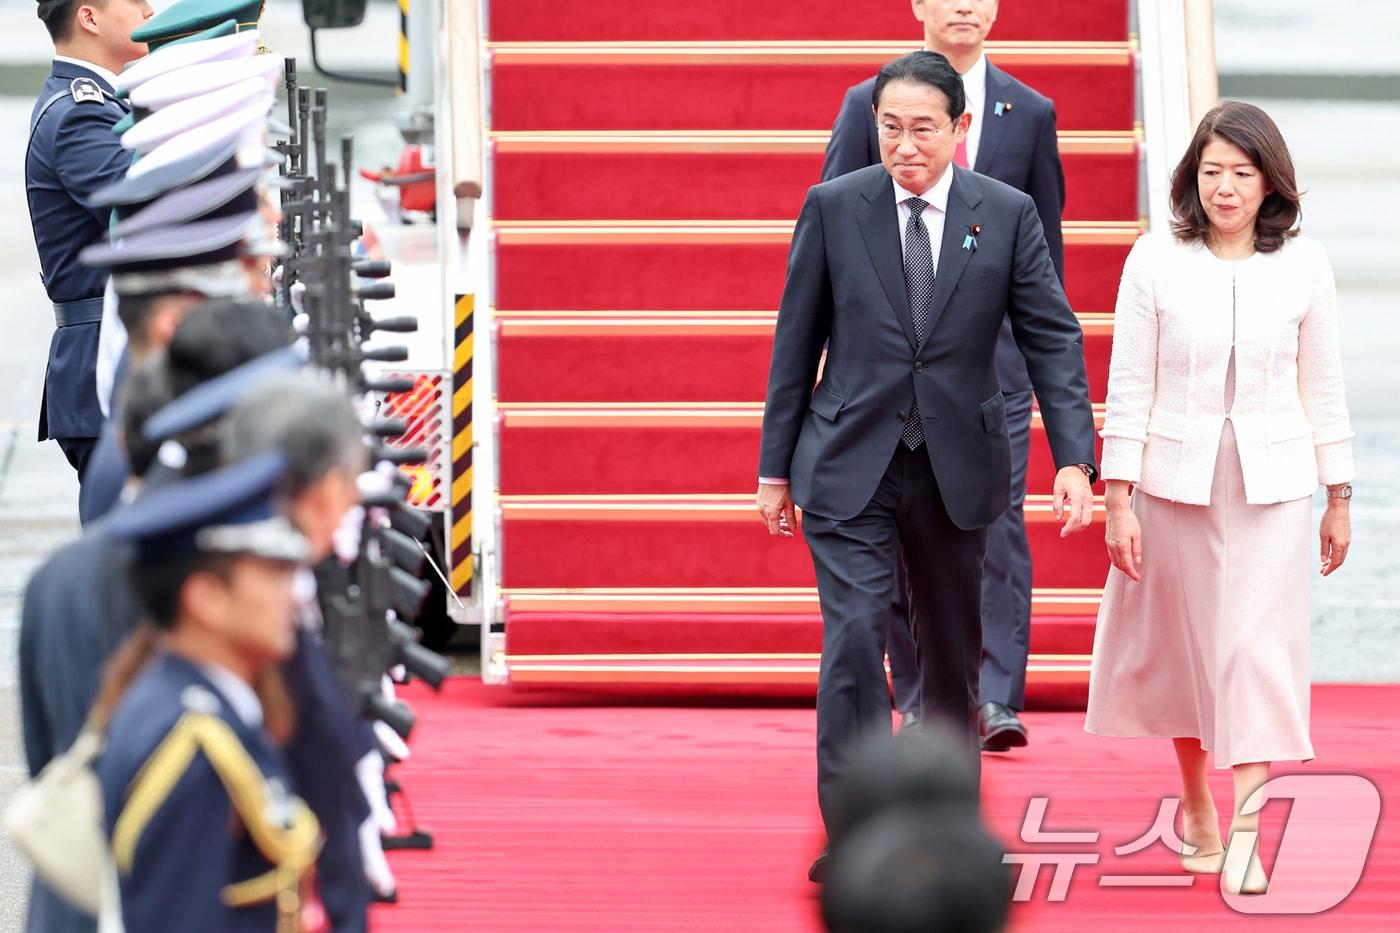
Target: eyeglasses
point(921, 134)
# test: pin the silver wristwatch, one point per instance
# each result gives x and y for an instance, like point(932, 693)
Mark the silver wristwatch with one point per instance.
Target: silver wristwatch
point(1342, 492)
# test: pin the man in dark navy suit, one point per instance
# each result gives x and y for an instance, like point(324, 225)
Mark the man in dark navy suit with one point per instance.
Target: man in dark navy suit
point(905, 273)
point(1011, 137)
point(72, 154)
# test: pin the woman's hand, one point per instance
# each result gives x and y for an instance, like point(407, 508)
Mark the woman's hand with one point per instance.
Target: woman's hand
point(1124, 534)
point(1336, 534)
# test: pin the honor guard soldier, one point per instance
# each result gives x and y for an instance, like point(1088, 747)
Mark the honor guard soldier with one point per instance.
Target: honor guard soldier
point(205, 832)
point(187, 33)
point(77, 607)
point(72, 153)
point(197, 242)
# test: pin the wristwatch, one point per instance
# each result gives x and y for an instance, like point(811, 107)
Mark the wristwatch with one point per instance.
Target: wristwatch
point(1089, 471)
point(1342, 492)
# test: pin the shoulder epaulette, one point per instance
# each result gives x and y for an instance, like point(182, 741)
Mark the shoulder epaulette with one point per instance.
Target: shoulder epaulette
point(289, 846)
point(86, 91)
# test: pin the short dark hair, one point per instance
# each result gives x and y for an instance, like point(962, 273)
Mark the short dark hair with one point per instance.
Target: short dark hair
point(157, 584)
point(145, 392)
point(57, 17)
point(212, 339)
point(221, 334)
point(1257, 136)
point(917, 870)
point(928, 68)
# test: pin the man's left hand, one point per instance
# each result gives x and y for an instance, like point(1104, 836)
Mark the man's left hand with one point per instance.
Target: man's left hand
point(1073, 500)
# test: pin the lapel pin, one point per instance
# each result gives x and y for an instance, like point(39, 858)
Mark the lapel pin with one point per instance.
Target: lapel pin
point(970, 241)
point(1003, 106)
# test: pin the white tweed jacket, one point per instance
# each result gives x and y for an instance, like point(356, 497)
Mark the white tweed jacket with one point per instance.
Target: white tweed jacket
point(1173, 329)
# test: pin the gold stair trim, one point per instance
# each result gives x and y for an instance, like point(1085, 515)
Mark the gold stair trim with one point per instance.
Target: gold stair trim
point(684, 323)
point(658, 415)
point(741, 600)
point(691, 508)
point(769, 669)
point(733, 232)
point(670, 142)
point(799, 53)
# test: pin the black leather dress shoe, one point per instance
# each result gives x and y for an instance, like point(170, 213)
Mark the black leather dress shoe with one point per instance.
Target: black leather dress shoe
point(1000, 728)
point(817, 873)
point(909, 720)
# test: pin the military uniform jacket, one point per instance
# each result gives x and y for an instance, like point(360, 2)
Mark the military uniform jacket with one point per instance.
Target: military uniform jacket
point(72, 155)
point(204, 833)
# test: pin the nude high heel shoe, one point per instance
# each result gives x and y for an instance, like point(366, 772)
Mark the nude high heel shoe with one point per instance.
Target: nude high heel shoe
point(1243, 872)
point(1203, 863)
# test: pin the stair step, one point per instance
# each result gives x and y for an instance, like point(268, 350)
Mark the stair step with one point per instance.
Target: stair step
point(786, 604)
point(794, 89)
point(734, 266)
point(655, 449)
point(716, 20)
point(679, 356)
point(712, 541)
point(738, 183)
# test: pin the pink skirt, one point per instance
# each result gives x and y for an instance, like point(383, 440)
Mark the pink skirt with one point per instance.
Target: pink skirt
point(1213, 642)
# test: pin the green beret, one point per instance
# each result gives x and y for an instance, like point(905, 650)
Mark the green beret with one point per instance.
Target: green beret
point(186, 19)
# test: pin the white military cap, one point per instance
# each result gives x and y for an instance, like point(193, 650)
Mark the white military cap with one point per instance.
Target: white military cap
point(197, 80)
point(168, 59)
point(165, 124)
point(246, 126)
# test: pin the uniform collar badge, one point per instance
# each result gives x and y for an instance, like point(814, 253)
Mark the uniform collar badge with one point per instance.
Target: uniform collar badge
point(86, 91)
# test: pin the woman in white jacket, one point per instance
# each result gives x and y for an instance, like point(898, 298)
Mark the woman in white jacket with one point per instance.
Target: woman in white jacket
point(1225, 411)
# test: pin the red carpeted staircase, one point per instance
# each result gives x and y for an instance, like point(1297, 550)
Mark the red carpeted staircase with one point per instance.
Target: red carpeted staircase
point(648, 163)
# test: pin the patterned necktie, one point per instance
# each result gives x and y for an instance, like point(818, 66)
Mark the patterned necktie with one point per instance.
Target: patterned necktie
point(918, 276)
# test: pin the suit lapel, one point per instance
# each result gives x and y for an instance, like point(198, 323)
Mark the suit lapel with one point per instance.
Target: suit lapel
point(994, 127)
point(952, 258)
point(879, 226)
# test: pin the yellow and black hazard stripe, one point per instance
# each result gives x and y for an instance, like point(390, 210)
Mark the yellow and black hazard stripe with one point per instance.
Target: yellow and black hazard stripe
point(459, 545)
point(403, 46)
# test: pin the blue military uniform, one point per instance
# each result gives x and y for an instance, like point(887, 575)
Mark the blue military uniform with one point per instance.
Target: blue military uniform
point(72, 154)
point(205, 832)
point(328, 741)
point(77, 610)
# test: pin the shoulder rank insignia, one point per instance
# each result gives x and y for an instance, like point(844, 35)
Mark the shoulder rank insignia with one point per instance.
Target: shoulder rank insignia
point(86, 91)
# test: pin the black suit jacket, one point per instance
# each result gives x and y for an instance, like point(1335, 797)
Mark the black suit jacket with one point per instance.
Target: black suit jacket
point(846, 291)
point(1019, 148)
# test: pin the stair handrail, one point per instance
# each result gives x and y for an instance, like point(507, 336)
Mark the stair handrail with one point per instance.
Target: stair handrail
point(1179, 85)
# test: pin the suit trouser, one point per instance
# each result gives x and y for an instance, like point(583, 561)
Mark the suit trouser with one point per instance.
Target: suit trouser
point(77, 450)
point(1006, 592)
point(855, 563)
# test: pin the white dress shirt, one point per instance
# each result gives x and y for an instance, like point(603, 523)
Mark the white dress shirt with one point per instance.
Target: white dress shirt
point(975, 90)
point(235, 691)
point(932, 217)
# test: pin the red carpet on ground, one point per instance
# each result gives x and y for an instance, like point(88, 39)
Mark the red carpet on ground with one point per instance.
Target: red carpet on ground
point(580, 813)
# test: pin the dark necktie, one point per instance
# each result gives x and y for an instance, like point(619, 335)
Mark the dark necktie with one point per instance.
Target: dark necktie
point(918, 276)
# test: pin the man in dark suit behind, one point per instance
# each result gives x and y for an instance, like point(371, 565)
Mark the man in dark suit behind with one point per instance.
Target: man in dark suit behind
point(1011, 138)
point(904, 272)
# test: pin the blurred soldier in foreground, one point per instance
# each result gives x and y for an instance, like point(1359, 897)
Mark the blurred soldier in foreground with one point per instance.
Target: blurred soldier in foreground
point(908, 851)
point(77, 607)
point(72, 154)
point(204, 830)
